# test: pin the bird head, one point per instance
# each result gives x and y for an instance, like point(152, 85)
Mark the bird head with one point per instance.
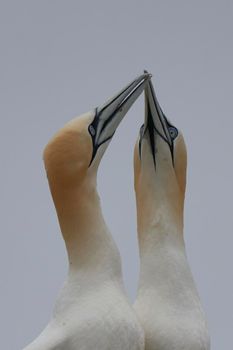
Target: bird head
point(74, 153)
point(160, 163)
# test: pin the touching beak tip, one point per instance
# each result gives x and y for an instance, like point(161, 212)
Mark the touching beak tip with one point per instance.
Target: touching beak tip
point(149, 75)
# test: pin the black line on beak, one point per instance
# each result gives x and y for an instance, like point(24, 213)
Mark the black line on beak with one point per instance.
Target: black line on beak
point(121, 105)
point(92, 130)
point(141, 134)
point(152, 134)
point(118, 107)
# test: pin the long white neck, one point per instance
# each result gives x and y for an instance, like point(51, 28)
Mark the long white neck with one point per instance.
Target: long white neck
point(167, 300)
point(164, 269)
point(89, 244)
point(93, 257)
point(159, 233)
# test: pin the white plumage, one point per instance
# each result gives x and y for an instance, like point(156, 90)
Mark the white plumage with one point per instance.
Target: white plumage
point(92, 310)
point(167, 303)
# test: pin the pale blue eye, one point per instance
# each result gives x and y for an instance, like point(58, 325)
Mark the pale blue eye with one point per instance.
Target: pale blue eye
point(173, 132)
point(92, 130)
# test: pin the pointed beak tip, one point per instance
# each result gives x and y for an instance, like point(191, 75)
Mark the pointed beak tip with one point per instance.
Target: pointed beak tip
point(149, 75)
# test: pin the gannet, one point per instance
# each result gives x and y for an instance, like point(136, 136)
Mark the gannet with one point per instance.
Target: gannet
point(167, 301)
point(92, 311)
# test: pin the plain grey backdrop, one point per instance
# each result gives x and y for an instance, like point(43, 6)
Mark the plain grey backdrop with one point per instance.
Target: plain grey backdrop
point(62, 58)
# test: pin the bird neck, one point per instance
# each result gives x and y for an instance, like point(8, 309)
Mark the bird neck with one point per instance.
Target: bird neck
point(160, 225)
point(162, 250)
point(88, 241)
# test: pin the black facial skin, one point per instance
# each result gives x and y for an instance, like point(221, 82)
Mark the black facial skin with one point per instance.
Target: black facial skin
point(170, 131)
point(94, 125)
point(92, 131)
point(154, 132)
point(100, 123)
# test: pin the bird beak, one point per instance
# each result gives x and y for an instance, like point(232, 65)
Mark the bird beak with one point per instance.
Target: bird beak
point(108, 117)
point(156, 124)
point(155, 120)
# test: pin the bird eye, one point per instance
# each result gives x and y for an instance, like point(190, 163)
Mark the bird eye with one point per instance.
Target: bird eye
point(92, 130)
point(173, 132)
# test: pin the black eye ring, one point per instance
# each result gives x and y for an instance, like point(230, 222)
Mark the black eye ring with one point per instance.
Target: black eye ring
point(173, 132)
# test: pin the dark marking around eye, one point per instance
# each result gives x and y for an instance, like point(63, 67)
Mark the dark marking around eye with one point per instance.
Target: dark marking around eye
point(153, 132)
point(170, 132)
point(92, 131)
point(173, 132)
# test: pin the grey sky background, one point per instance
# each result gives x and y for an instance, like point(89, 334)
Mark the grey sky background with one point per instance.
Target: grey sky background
point(62, 58)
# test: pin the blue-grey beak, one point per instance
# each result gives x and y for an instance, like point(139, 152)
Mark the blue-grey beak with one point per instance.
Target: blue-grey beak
point(156, 124)
point(108, 117)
